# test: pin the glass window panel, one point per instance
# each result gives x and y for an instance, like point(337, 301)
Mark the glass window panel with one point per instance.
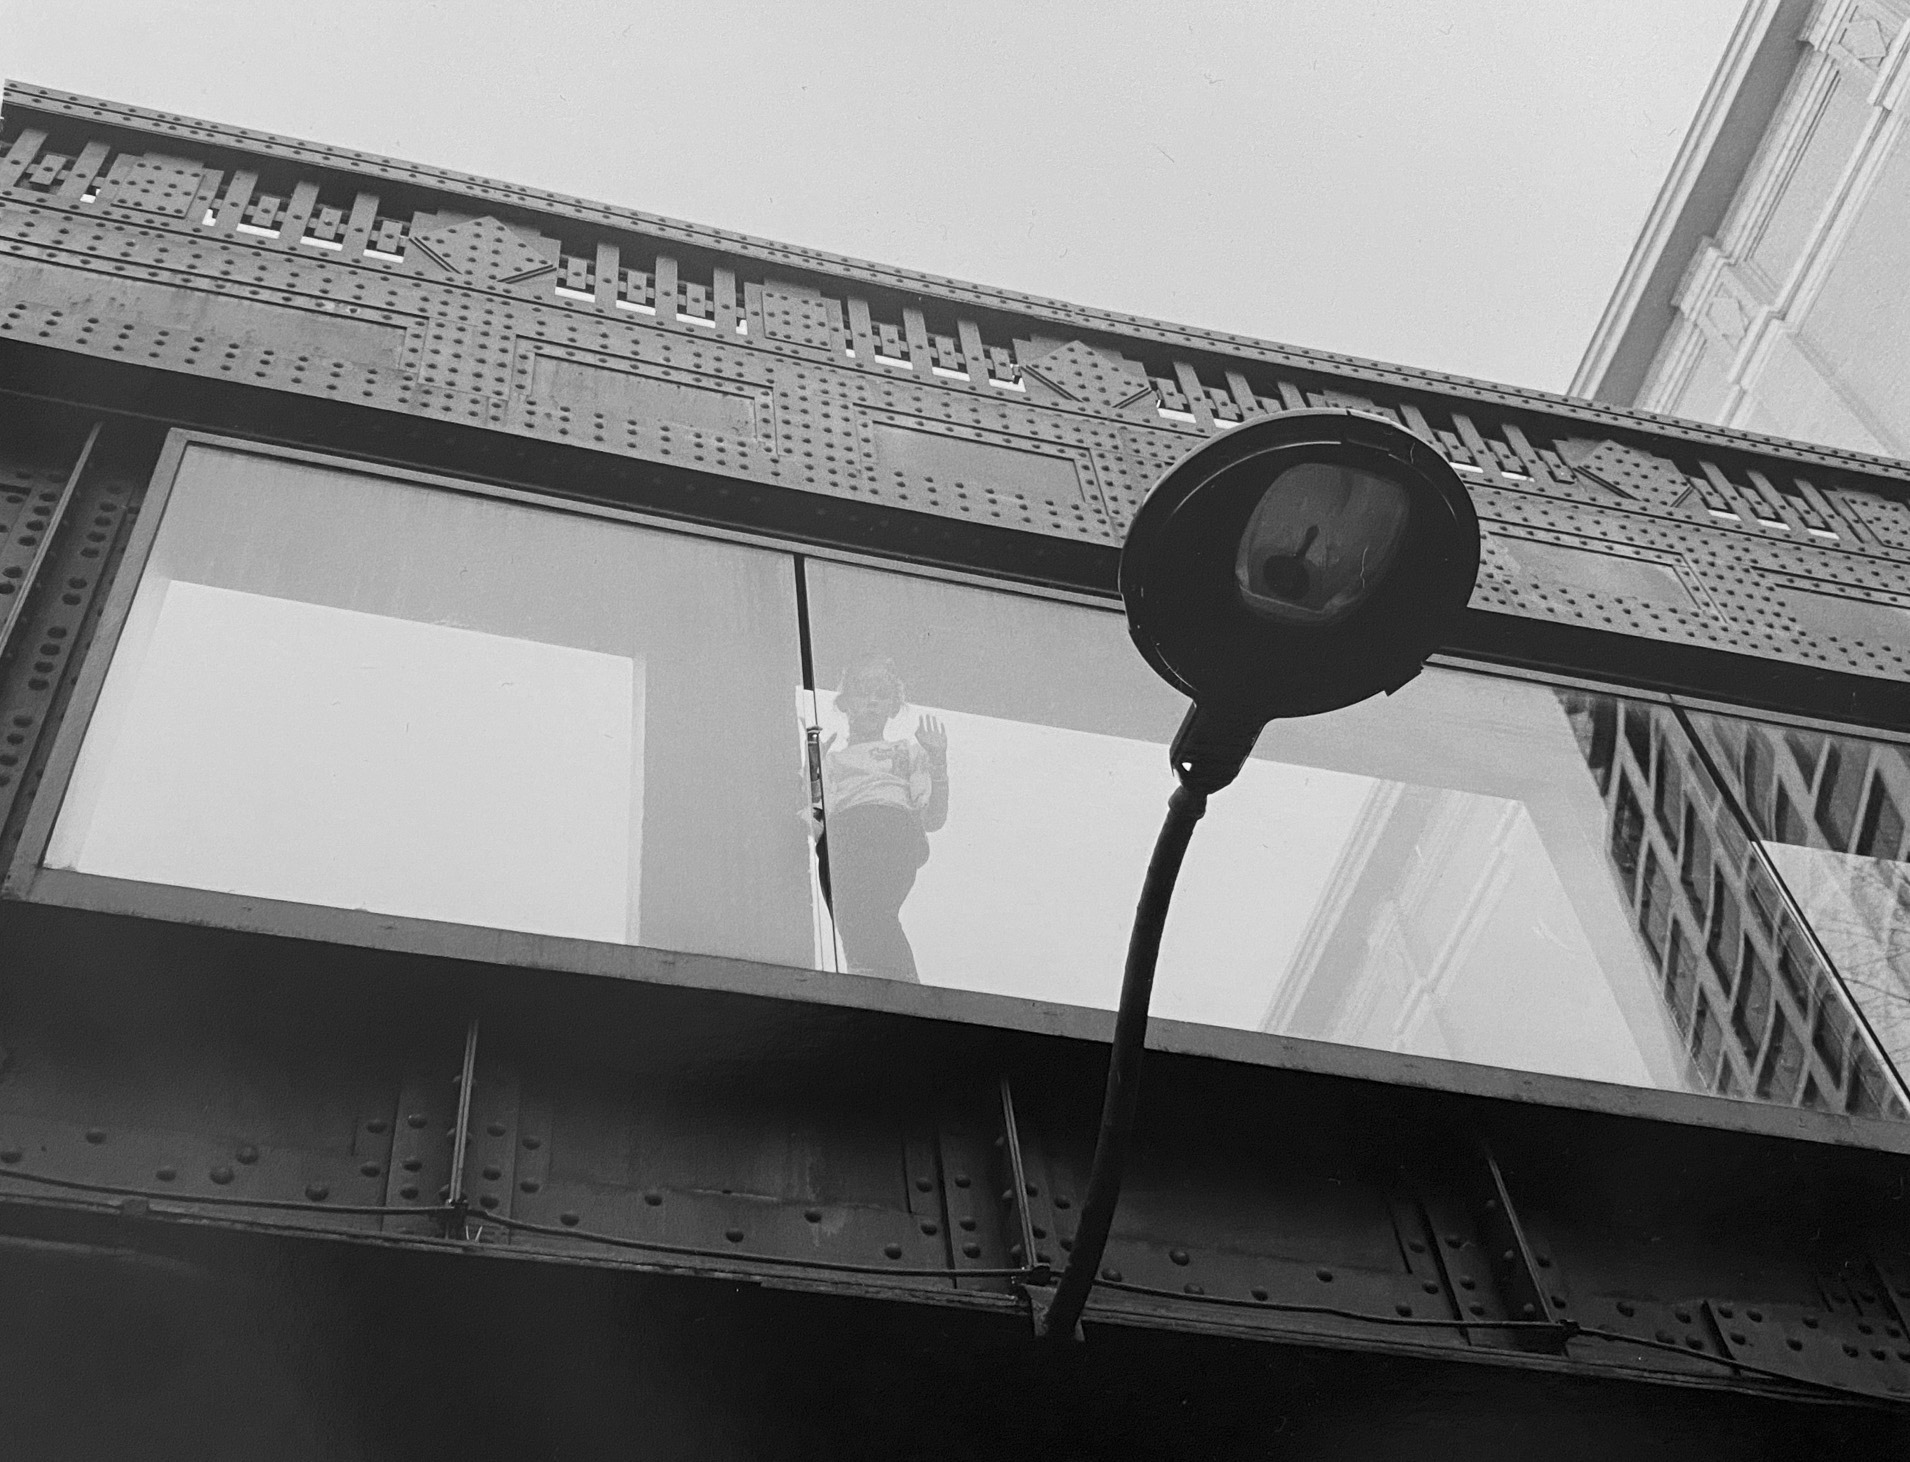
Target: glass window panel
point(1438, 872)
point(342, 689)
point(1847, 880)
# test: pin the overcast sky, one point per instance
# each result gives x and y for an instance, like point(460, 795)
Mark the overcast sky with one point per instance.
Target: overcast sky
point(1446, 183)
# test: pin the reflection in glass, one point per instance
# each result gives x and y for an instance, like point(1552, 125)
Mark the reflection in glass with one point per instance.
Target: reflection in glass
point(340, 689)
point(1477, 868)
point(882, 798)
point(1827, 812)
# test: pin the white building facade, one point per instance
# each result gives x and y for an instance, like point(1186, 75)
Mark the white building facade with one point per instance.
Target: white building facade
point(1767, 290)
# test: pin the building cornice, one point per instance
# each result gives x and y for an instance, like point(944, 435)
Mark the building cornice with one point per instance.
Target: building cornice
point(1724, 136)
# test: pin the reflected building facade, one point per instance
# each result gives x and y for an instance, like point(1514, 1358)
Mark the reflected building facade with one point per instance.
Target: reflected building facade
point(1752, 941)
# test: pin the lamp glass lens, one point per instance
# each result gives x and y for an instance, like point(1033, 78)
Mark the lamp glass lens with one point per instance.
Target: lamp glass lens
point(1322, 538)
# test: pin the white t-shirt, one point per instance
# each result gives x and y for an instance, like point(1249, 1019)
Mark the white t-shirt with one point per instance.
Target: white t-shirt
point(876, 773)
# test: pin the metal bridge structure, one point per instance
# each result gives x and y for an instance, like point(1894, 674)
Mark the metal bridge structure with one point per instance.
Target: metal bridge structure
point(305, 1180)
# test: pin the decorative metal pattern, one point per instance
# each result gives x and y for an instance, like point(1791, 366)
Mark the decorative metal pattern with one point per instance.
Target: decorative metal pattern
point(188, 247)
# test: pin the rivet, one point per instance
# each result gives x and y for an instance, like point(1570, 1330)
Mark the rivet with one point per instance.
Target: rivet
point(1794, 1343)
point(1865, 1329)
point(412, 1164)
point(972, 1250)
point(1179, 1256)
point(569, 1220)
point(492, 1172)
point(1727, 1311)
point(1684, 1315)
point(930, 1227)
point(1697, 1344)
point(1810, 1322)
point(10, 1154)
point(529, 1185)
point(1416, 1246)
point(964, 1222)
point(370, 1169)
point(1325, 1276)
point(1738, 1338)
point(1560, 1301)
point(1111, 1275)
point(1507, 1257)
point(409, 1191)
point(924, 1185)
point(1665, 1337)
point(489, 1200)
point(1528, 1309)
point(221, 1174)
point(1466, 1281)
point(1007, 1195)
point(317, 1192)
point(1257, 1293)
point(96, 1135)
point(166, 1175)
point(894, 1251)
point(1626, 1307)
point(533, 1143)
point(1544, 1261)
point(416, 1119)
point(1193, 1289)
point(496, 1129)
point(376, 1124)
point(1477, 1309)
point(1430, 1287)
point(1453, 1241)
point(248, 1154)
point(1038, 1231)
point(961, 1180)
point(1062, 1200)
point(653, 1198)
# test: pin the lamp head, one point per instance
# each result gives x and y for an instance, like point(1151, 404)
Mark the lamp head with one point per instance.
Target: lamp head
point(1300, 563)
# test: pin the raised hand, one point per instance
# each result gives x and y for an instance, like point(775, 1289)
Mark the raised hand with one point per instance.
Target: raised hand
point(934, 739)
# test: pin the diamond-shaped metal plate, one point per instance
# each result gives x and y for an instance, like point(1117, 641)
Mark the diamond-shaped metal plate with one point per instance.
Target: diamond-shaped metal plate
point(1084, 374)
point(483, 251)
point(155, 184)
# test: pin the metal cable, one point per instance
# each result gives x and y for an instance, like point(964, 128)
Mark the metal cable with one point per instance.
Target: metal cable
point(1295, 1308)
point(224, 1200)
point(835, 1266)
point(1567, 1330)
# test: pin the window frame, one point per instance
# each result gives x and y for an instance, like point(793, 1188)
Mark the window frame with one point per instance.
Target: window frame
point(28, 880)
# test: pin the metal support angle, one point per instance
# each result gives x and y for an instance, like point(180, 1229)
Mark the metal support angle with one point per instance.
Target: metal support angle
point(457, 1206)
point(1493, 1269)
point(1020, 1195)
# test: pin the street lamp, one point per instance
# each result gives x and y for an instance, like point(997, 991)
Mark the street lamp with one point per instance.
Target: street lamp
point(1298, 564)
